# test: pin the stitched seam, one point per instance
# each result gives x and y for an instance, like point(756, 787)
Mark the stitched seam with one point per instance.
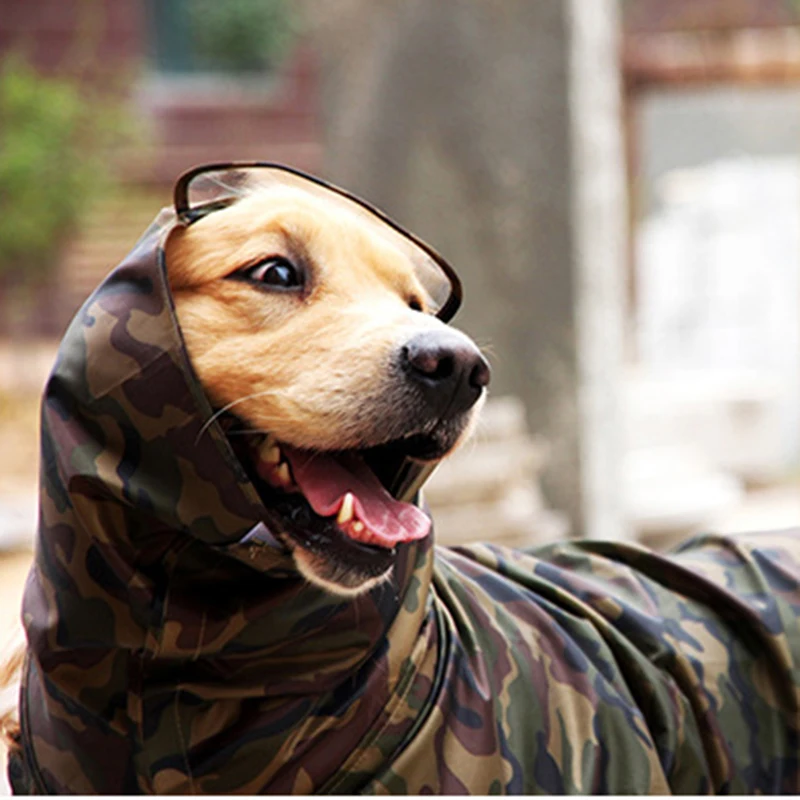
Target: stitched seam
point(28, 752)
point(184, 749)
point(368, 740)
point(200, 637)
point(390, 710)
point(139, 724)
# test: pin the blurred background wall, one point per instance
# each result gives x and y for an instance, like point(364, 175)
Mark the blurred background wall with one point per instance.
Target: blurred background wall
point(617, 182)
point(494, 129)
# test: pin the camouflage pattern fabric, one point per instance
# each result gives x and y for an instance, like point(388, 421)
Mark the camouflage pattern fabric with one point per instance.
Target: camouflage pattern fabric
point(173, 648)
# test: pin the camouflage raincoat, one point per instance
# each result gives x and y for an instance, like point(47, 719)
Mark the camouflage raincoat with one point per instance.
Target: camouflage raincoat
point(173, 648)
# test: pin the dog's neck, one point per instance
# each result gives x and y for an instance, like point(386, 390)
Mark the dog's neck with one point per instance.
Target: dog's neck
point(311, 641)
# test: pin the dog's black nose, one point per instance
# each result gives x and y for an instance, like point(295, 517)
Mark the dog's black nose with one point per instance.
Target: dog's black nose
point(448, 367)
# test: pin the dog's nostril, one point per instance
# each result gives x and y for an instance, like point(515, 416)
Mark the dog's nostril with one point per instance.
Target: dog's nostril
point(481, 374)
point(431, 361)
point(447, 367)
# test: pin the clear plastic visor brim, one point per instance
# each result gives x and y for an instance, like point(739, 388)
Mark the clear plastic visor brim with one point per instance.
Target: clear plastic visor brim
point(207, 189)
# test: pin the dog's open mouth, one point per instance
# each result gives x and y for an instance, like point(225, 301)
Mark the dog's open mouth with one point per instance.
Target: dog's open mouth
point(342, 489)
point(333, 510)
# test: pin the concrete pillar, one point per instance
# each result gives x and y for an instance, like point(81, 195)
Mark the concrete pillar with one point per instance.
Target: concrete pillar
point(492, 129)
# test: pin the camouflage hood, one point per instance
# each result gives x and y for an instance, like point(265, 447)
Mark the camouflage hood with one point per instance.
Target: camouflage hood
point(174, 648)
point(155, 571)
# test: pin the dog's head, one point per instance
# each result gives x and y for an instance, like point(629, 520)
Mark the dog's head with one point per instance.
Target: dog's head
point(310, 321)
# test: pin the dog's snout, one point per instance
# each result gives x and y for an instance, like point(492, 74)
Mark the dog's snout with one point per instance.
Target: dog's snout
point(448, 367)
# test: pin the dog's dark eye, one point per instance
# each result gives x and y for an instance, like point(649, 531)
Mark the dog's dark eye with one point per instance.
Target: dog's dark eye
point(275, 271)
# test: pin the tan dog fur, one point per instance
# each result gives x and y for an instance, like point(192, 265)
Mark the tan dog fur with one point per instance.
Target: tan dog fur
point(311, 367)
point(299, 365)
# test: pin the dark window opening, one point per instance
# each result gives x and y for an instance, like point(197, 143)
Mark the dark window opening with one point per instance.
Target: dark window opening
point(235, 37)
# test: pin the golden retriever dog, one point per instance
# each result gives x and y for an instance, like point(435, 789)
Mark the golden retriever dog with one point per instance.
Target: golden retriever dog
point(235, 587)
point(300, 317)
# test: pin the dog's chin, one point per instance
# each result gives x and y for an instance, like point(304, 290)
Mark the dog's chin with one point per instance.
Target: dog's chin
point(343, 557)
point(345, 581)
point(323, 554)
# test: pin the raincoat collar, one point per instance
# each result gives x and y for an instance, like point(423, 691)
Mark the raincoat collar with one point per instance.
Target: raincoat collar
point(123, 386)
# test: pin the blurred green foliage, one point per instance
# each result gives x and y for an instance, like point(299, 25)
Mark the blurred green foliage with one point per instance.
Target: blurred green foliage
point(240, 35)
point(51, 164)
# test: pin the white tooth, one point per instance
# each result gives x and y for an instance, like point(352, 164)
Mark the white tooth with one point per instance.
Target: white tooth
point(282, 474)
point(357, 526)
point(346, 509)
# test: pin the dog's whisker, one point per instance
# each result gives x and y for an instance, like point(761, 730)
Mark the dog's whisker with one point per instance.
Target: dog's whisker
point(217, 414)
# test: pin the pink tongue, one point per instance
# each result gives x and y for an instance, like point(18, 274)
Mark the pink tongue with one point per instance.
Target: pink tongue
point(325, 480)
